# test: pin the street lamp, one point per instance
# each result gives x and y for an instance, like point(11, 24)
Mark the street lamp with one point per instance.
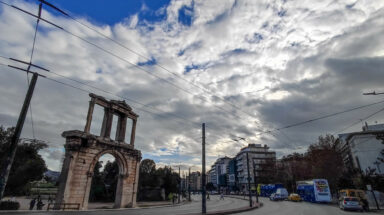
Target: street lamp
point(254, 180)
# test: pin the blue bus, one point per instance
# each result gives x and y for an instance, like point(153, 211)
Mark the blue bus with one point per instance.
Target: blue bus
point(316, 190)
point(267, 189)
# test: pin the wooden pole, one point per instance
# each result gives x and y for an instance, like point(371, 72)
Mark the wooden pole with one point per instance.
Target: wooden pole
point(203, 183)
point(11, 151)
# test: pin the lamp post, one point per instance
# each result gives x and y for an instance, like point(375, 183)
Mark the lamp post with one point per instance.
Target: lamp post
point(254, 180)
point(249, 183)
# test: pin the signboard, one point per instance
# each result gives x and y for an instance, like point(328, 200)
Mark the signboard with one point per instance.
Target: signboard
point(321, 186)
point(369, 187)
point(231, 178)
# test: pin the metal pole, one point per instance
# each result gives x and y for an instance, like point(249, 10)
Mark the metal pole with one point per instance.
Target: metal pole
point(254, 180)
point(203, 191)
point(178, 199)
point(11, 151)
point(249, 183)
point(374, 197)
point(189, 184)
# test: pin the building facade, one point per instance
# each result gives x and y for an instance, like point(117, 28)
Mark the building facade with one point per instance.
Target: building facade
point(194, 181)
point(363, 150)
point(261, 163)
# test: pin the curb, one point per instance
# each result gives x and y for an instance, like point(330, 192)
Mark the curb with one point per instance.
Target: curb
point(80, 211)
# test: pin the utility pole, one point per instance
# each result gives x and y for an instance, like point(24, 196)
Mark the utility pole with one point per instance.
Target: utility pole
point(178, 199)
point(249, 183)
point(11, 151)
point(254, 180)
point(189, 184)
point(203, 191)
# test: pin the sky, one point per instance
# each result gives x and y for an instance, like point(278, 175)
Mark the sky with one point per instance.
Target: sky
point(241, 67)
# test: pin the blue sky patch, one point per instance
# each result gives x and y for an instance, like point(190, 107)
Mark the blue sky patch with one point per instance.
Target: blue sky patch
point(188, 68)
point(112, 12)
point(186, 15)
point(150, 62)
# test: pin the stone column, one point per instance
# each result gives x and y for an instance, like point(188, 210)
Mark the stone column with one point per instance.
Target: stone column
point(107, 123)
point(135, 184)
point(89, 116)
point(133, 132)
point(121, 128)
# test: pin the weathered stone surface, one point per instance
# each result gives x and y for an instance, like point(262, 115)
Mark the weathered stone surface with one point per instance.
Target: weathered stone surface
point(83, 150)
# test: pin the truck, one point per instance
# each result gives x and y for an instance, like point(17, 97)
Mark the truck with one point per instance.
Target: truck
point(315, 190)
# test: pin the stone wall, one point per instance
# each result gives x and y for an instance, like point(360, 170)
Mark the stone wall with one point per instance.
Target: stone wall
point(82, 153)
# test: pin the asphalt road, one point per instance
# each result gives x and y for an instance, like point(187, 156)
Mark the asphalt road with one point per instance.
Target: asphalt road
point(214, 204)
point(299, 208)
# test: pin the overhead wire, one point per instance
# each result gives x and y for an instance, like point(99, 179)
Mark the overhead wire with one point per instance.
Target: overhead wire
point(112, 94)
point(176, 86)
point(66, 13)
point(360, 120)
point(30, 63)
point(122, 59)
point(118, 57)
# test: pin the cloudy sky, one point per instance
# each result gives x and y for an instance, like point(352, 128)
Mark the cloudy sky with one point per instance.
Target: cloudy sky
point(242, 67)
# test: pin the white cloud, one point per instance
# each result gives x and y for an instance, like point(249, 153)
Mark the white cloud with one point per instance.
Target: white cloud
point(297, 49)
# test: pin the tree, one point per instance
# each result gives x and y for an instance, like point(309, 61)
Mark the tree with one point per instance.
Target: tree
point(97, 187)
point(152, 180)
point(322, 160)
point(27, 166)
point(104, 183)
point(147, 166)
point(326, 161)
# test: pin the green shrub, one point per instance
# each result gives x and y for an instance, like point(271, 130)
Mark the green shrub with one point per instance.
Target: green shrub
point(9, 205)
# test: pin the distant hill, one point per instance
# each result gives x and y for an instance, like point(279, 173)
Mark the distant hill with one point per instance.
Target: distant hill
point(53, 175)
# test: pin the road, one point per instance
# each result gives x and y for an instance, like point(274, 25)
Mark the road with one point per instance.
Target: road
point(299, 208)
point(270, 208)
point(214, 204)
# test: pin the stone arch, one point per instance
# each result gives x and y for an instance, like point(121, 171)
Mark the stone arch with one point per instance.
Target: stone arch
point(123, 172)
point(121, 162)
point(83, 150)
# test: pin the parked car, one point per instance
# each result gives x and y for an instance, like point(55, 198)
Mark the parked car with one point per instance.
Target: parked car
point(294, 197)
point(350, 203)
point(355, 193)
point(273, 197)
point(280, 194)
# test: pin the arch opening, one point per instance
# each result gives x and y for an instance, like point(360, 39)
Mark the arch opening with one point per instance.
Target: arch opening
point(105, 180)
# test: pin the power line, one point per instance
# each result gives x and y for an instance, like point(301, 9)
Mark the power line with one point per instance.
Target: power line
point(322, 117)
point(30, 62)
point(357, 122)
point(176, 86)
point(122, 59)
point(107, 92)
point(148, 59)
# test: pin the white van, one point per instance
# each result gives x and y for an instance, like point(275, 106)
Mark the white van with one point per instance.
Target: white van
point(282, 193)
